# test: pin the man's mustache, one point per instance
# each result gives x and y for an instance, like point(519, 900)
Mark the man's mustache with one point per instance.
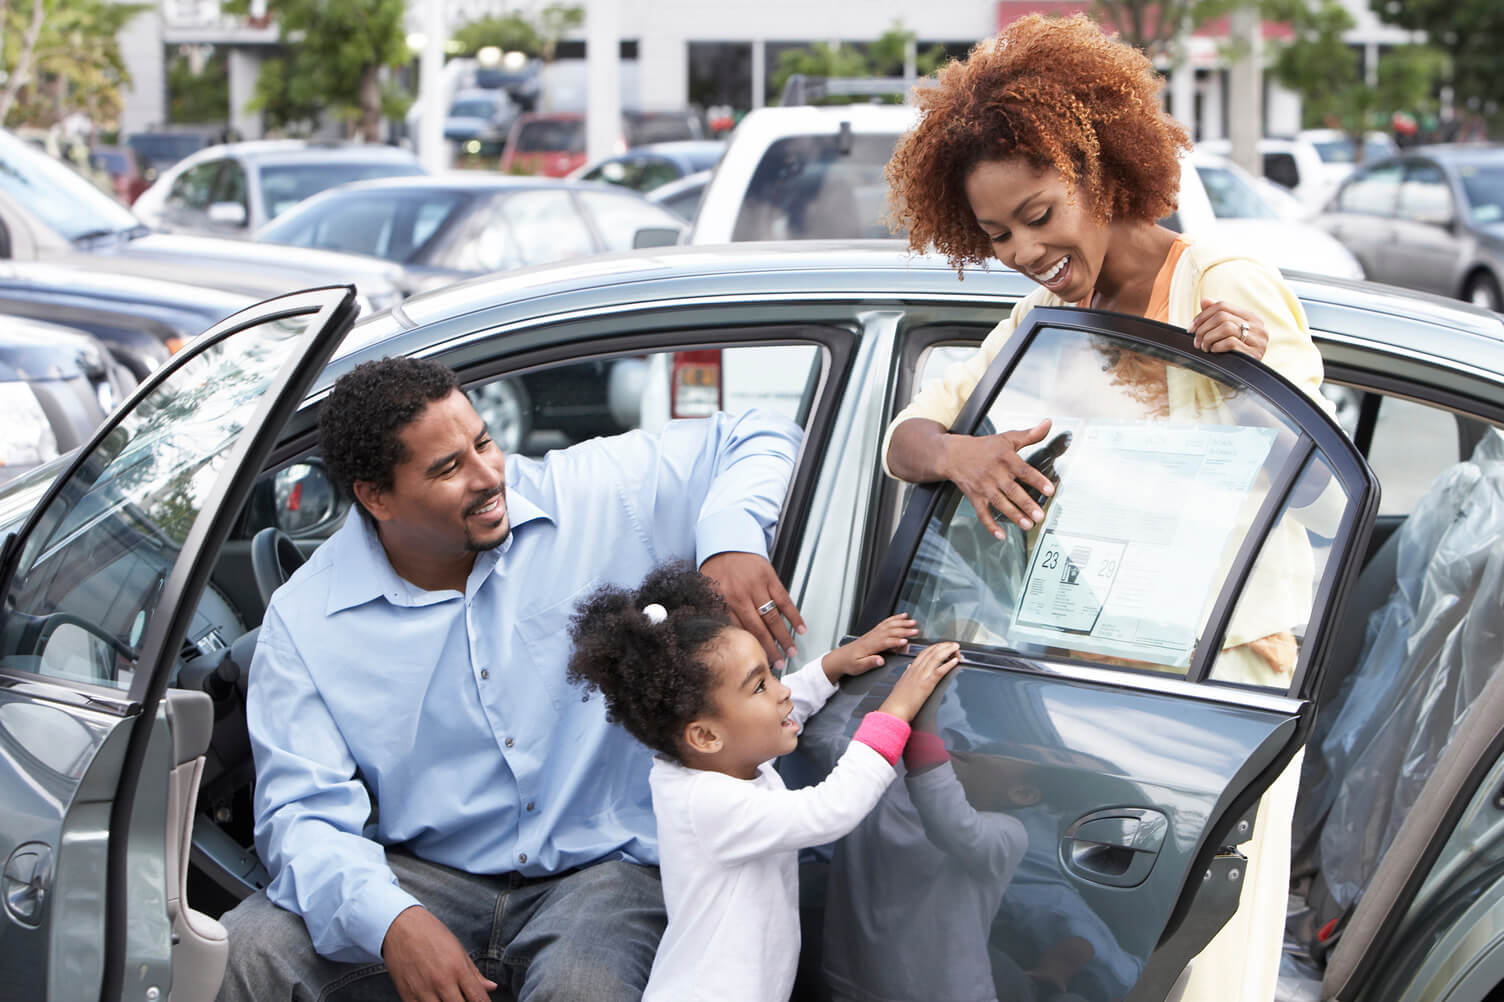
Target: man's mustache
point(485, 499)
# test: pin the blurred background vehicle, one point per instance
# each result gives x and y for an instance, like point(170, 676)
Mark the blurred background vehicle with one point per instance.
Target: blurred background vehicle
point(56, 386)
point(644, 168)
point(520, 78)
point(1431, 219)
point(158, 149)
point(232, 189)
point(1244, 212)
point(49, 213)
point(479, 120)
point(127, 178)
point(682, 197)
point(640, 128)
point(1310, 164)
point(553, 143)
point(1339, 150)
point(467, 223)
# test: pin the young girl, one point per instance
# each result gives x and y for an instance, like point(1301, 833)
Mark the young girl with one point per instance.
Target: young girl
point(682, 679)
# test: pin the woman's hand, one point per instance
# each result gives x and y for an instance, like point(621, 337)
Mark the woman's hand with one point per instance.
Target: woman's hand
point(1220, 327)
point(993, 476)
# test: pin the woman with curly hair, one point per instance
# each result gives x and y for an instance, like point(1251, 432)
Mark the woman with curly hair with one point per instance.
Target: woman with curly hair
point(684, 680)
point(1048, 150)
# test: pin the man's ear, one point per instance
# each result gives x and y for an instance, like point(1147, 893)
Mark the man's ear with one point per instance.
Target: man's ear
point(372, 498)
point(701, 737)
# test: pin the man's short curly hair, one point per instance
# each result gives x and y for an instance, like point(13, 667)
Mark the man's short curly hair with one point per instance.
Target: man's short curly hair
point(366, 411)
point(1056, 92)
point(655, 676)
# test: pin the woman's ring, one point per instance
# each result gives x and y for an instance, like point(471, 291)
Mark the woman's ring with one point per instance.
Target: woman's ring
point(1243, 331)
point(766, 607)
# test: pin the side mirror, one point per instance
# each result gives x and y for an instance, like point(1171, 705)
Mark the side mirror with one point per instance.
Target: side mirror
point(305, 498)
point(227, 213)
point(656, 236)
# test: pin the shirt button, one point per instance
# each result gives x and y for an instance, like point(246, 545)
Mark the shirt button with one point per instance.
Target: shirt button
point(529, 805)
point(485, 673)
point(522, 857)
point(509, 742)
point(585, 698)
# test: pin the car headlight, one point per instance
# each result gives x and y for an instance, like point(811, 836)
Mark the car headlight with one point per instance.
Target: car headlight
point(26, 436)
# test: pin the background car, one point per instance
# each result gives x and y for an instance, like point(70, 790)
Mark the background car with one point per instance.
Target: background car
point(56, 386)
point(467, 223)
point(521, 79)
point(231, 190)
point(553, 143)
point(1430, 219)
point(645, 168)
point(682, 197)
point(126, 171)
point(1131, 782)
point(158, 149)
point(479, 120)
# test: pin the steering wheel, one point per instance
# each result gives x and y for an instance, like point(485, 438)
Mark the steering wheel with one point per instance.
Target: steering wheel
point(274, 557)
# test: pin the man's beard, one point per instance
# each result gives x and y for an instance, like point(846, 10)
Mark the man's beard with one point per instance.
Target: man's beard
point(471, 543)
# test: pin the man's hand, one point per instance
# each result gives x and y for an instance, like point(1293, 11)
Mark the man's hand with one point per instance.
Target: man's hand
point(428, 964)
point(866, 652)
point(747, 582)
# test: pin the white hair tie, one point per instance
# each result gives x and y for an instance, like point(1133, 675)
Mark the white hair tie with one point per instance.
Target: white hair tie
point(655, 613)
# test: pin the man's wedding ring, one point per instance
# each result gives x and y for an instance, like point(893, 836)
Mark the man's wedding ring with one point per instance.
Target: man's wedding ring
point(1243, 331)
point(766, 607)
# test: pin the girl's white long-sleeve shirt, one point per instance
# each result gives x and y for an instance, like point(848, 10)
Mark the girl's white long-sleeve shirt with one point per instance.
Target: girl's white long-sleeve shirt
point(730, 849)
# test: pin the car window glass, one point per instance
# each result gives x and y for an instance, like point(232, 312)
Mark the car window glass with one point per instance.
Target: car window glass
point(546, 226)
point(230, 185)
point(65, 201)
point(1230, 195)
point(618, 217)
point(1373, 192)
point(86, 585)
point(1424, 196)
point(686, 203)
point(285, 185)
point(551, 135)
point(1412, 444)
point(809, 188)
point(1281, 169)
point(482, 241)
point(1483, 188)
point(1114, 577)
point(191, 189)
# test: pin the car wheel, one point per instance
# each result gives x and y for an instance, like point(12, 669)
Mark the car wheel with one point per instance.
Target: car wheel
point(1483, 290)
point(507, 411)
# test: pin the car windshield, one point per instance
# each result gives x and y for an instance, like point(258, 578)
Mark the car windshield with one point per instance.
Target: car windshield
point(1231, 196)
point(552, 136)
point(1484, 189)
point(808, 188)
point(473, 108)
point(63, 200)
point(285, 185)
point(1341, 150)
point(166, 148)
point(389, 224)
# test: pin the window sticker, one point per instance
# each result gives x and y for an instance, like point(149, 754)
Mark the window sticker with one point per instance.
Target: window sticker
point(1129, 572)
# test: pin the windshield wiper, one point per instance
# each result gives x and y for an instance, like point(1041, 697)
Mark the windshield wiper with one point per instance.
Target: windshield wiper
point(95, 236)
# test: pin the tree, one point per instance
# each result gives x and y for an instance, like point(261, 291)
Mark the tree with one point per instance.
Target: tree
point(1471, 33)
point(62, 57)
point(883, 57)
point(201, 94)
point(509, 33)
point(333, 55)
point(1319, 66)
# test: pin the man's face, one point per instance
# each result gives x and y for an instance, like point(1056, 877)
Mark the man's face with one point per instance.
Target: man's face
point(448, 496)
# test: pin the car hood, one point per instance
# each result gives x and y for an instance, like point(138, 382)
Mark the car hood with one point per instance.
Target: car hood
point(1293, 246)
point(259, 270)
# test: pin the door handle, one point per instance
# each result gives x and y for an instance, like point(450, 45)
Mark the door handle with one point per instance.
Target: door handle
point(1117, 846)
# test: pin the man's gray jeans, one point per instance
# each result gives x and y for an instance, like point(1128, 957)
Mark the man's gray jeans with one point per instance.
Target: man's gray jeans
point(589, 934)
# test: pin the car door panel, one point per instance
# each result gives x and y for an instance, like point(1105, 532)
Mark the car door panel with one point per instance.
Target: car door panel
point(89, 647)
point(1133, 772)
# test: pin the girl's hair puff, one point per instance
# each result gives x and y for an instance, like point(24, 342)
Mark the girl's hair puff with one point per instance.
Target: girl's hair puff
point(653, 676)
point(1056, 92)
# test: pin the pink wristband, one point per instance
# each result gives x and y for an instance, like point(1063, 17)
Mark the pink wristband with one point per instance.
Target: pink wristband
point(884, 734)
point(924, 750)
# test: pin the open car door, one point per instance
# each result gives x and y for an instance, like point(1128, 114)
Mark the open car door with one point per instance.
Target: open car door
point(99, 587)
point(1076, 809)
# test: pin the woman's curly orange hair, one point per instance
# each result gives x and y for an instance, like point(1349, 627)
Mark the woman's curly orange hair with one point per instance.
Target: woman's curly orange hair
point(1058, 93)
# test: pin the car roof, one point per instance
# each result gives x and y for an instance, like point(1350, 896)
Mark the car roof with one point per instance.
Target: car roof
point(467, 180)
point(1459, 153)
point(1396, 321)
point(301, 151)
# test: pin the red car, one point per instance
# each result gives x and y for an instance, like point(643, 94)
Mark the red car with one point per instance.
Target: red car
point(553, 143)
point(127, 176)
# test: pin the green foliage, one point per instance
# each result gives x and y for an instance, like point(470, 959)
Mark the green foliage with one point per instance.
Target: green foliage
point(511, 32)
point(330, 50)
point(1471, 33)
point(884, 57)
point(198, 97)
point(1325, 71)
point(68, 62)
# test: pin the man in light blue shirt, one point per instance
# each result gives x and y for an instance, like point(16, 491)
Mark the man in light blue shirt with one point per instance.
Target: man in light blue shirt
point(441, 812)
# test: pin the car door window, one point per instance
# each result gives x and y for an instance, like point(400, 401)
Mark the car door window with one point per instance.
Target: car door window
point(230, 186)
point(617, 218)
point(1374, 192)
point(546, 225)
point(483, 241)
point(1424, 196)
point(1115, 576)
point(192, 188)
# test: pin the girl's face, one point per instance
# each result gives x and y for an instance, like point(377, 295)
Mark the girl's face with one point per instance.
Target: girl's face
point(752, 708)
point(1036, 227)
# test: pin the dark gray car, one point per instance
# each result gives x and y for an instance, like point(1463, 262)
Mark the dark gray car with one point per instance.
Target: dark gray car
point(1090, 710)
point(1430, 219)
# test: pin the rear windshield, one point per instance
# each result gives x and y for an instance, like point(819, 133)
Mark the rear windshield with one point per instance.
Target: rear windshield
point(552, 136)
point(473, 108)
point(162, 148)
point(806, 188)
point(642, 129)
point(285, 185)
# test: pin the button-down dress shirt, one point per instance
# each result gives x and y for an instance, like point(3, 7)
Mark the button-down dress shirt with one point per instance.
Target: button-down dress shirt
point(453, 710)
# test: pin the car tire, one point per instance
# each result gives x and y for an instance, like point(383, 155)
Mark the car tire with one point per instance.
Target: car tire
point(1483, 290)
point(507, 411)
